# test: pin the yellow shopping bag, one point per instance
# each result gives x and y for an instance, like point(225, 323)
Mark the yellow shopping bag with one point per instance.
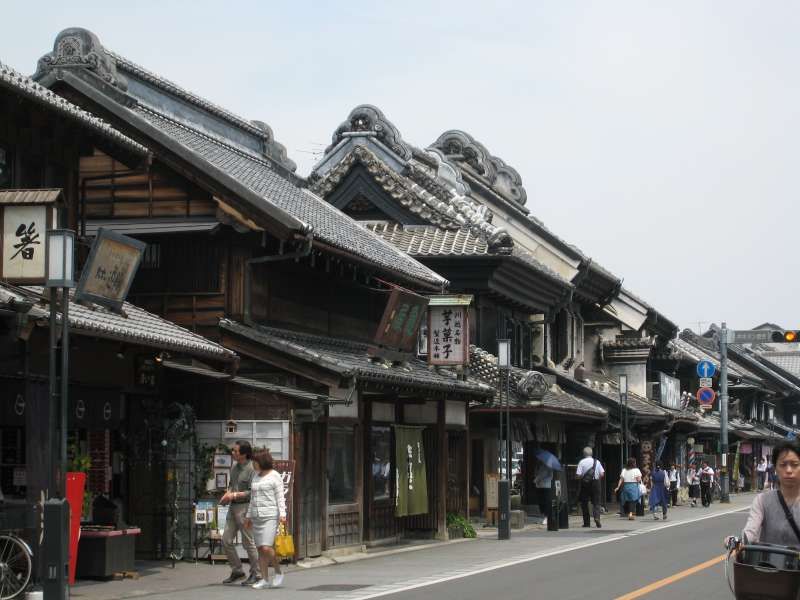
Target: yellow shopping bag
point(284, 543)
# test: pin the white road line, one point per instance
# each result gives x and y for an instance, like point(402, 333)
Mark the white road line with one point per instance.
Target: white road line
point(460, 574)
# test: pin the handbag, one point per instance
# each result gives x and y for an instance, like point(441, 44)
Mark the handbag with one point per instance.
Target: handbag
point(642, 489)
point(284, 543)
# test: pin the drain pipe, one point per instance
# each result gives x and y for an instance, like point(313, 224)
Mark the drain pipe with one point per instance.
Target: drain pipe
point(304, 251)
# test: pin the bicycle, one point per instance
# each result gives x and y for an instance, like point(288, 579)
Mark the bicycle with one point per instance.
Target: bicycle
point(16, 565)
point(762, 570)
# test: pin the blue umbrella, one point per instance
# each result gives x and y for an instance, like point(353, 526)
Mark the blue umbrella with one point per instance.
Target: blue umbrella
point(549, 459)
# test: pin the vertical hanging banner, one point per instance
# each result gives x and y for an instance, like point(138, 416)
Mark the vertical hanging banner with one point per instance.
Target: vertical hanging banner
point(448, 330)
point(411, 482)
point(286, 469)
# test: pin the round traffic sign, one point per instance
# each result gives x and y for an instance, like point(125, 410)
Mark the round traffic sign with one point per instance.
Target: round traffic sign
point(706, 396)
point(706, 368)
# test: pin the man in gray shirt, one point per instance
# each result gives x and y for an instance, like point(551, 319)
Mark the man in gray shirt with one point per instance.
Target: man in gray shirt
point(238, 496)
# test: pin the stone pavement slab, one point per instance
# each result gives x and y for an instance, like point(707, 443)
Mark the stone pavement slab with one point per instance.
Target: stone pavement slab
point(383, 571)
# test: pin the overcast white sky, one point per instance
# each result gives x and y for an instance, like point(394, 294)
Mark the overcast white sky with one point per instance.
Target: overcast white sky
point(659, 137)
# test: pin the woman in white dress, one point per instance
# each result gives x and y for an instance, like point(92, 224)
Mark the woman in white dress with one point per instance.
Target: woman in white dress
point(267, 508)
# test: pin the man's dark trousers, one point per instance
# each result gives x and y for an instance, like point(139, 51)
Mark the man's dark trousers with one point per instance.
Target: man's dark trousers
point(705, 493)
point(590, 492)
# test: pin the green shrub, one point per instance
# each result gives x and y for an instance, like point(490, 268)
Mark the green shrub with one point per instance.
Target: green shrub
point(457, 521)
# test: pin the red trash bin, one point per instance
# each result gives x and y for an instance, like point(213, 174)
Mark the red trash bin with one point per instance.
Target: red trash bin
point(75, 486)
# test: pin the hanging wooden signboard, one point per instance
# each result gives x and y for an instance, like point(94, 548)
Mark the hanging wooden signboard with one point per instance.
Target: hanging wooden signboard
point(399, 326)
point(448, 330)
point(110, 269)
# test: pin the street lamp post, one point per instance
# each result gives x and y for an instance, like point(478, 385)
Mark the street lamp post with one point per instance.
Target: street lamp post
point(504, 485)
point(623, 404)
point(723, 413)
point(60, 273)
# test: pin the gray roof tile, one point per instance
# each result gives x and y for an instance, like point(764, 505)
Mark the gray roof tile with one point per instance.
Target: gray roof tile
point(330, 225)
point(25, 86)
point(349, 358)
point(788, 361)
point(421, 241)
point(136, 326)
point(484, 366)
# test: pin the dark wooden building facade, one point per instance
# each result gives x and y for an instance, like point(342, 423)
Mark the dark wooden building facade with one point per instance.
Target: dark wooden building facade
point(239, 250)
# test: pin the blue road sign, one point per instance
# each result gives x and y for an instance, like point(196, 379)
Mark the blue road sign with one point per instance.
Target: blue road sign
point(705, 368)
point(706, 396)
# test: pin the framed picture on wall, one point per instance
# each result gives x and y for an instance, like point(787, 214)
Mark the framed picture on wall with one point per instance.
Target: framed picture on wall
point(222, 461)
point(222, 481)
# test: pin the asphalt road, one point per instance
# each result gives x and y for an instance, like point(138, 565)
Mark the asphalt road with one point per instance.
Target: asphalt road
point(621, 558)
point(609, 570)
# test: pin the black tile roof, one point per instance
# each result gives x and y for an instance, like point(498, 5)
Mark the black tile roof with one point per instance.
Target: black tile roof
point(27, 87)
point(135, 326)
point(349, 359)
point(328, 223)
point(598, 386)
point(483, 365)
point(238, 156)
point(422, 241)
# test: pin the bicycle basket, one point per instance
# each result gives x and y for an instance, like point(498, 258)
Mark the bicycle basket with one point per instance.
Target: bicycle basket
point(767, 572)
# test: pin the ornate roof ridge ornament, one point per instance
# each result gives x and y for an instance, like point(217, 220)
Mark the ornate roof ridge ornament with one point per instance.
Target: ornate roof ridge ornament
point(367, 118)
point(77, 47)
point(461, 147)
point(449, 212)
point(534, 385)
point(273, 148)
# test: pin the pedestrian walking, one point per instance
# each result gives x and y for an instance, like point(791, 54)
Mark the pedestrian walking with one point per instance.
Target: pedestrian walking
point(761, 470)
point(659, 491)
point(629, 480)
point(674, 478)
point(768, 475)
point(706, 483)
point(693, 481)
point(589, 474)
point(238, 499)
point(267, 508)
point(543, 480)
point(774, 482)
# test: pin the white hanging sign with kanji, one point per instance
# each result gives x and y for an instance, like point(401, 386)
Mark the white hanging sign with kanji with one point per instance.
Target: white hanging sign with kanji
point(22, 256)
point(448, 335)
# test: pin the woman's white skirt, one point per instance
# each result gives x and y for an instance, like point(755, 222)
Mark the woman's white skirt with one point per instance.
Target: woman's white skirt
point(264, 531)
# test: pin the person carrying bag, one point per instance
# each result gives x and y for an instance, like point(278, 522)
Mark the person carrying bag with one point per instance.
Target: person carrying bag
point(284, 543)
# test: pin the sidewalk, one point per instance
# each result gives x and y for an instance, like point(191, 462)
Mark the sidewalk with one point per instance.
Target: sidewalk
point(377, 570)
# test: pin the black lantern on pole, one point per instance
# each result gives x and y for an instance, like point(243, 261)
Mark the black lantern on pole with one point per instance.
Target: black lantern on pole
point(60, 273)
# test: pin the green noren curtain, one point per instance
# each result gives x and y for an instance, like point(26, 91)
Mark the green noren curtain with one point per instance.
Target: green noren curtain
point(411, 482)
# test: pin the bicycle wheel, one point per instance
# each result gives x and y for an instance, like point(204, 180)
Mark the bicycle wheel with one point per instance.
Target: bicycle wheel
point(15, 566)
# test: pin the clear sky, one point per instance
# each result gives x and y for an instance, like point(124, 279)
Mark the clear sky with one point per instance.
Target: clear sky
point(659, 137)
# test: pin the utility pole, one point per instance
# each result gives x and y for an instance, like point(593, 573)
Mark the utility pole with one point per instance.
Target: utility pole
point(723, 413)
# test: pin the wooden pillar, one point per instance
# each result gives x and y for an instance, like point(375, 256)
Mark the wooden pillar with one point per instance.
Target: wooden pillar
point(40, 447)
point(441, 472)
point(366, 470)
point(467, 459)
point(40, 451)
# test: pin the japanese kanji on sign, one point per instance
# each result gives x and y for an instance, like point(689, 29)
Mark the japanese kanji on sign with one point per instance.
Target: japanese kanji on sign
point(448, 330)
point(25, 217)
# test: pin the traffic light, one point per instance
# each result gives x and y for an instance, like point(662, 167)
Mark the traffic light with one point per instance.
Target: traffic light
point(786, 337)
